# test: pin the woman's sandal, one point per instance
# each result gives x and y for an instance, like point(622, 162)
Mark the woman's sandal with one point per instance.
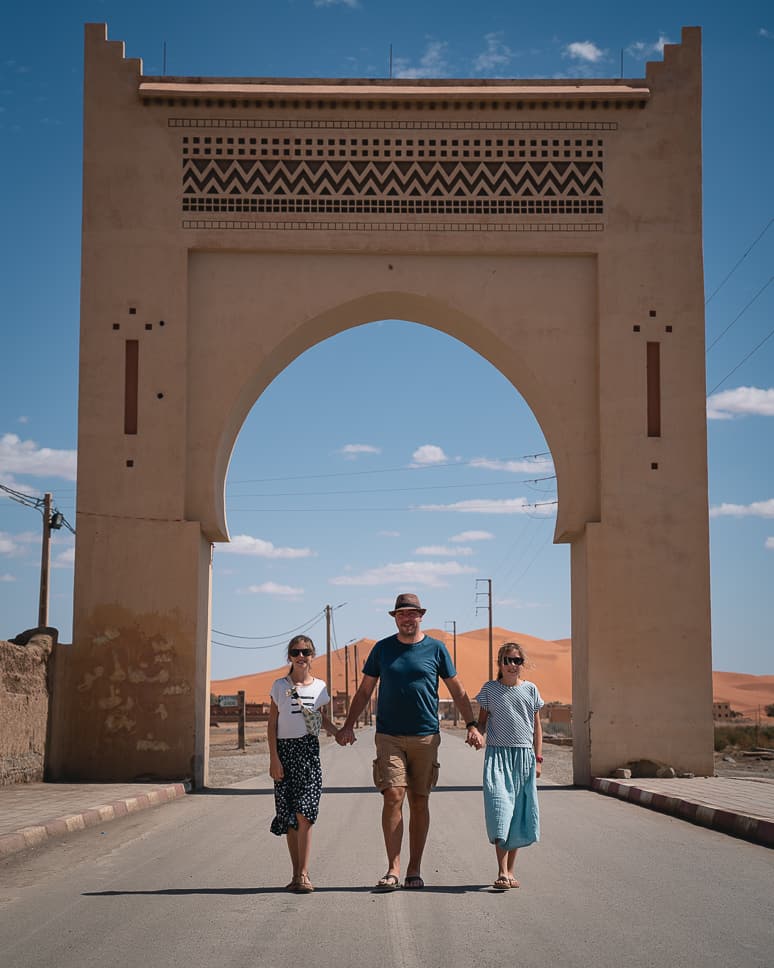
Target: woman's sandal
point(303, 885)
point(514, 882)
point(292, 885)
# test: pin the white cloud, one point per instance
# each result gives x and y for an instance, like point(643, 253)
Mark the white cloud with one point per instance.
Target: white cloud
point(244, 544)
point(763, 32)
point(769, 544)
point(441, 551)
point(65, 559)
point(7, 544)
point(641, 51)
point(351, 451)
point(497, 54)
point(431, 64)
point(584, 50)
point(516, 505)
point(272, 588)
point(26, 457)
point(390, 534)
point(472, 536)
point(758, 509)
point(7, 577)
point(408, 573)
point(517, 603)
point(352, 4)
point(24, 420)
point(539, 466)
point(740, 402)
point(428, 454)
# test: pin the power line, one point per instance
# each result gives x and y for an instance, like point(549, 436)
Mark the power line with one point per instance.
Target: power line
point(388, 470)
point(741, 260)
point(752, 351)
point(391, 490)
point(230, 635)
point(763, 288)
point(318, 510)
point(272, 645)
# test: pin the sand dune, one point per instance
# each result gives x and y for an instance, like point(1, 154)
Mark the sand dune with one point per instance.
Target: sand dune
point(549, 666)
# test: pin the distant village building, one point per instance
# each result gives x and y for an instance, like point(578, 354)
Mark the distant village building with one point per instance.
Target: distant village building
point(556, 712)
point(722, 711)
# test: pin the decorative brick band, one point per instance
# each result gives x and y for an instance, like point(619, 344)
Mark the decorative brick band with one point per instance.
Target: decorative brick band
point(394, 226)
point(749, 828)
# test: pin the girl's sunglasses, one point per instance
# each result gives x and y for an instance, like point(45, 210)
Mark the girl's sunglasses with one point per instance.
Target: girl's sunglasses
point(295, 653)
point(513, 660)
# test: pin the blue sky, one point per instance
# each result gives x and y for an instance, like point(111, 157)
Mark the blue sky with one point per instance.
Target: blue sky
point(335, 494)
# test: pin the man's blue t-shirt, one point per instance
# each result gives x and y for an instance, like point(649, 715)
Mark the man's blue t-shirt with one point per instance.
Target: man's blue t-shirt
point(408, 684)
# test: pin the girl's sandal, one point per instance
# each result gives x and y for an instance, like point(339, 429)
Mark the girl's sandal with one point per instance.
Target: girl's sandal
point(304, 885)
point(513, 882)
point(503, 884)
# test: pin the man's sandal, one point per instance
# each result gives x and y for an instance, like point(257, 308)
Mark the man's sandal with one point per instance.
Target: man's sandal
point(413, 882)
point(387, 883)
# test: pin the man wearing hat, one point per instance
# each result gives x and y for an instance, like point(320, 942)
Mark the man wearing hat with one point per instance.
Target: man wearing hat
point(408, 666)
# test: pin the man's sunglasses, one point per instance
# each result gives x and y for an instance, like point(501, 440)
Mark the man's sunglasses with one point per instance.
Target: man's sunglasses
point(295, 653)
point(513, 660)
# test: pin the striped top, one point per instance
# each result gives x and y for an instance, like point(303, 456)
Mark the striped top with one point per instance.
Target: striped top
point(511, 712)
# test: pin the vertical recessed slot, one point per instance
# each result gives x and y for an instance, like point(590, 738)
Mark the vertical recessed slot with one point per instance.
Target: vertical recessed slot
point(131, 378)
point(654, 389)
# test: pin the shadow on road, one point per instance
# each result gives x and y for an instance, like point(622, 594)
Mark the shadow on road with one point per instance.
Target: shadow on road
point(240, 891)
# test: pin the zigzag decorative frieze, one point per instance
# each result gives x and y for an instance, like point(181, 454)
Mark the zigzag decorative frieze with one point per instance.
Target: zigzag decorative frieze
point(481, 177)
point(404, 179)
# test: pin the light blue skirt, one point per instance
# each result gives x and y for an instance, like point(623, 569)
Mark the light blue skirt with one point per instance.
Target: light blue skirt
point(510, 797)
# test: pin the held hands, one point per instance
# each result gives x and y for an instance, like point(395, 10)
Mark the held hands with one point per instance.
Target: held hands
point(474, 738)
point(346, 736)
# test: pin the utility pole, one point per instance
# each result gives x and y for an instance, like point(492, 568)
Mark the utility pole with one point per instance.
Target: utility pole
point(346, 679)
point(328, 657)
point(453, 624)
point(356, 685)
point(45, 562)
point(488, 593)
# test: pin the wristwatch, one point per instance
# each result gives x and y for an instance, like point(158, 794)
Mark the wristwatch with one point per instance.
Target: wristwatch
point(473, 722)
point(538, 758)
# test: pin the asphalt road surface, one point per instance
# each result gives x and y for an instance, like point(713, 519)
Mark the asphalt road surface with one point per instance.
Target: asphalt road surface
point(199, 883)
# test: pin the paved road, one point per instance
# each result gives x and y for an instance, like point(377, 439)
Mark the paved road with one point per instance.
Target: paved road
point(198, 883)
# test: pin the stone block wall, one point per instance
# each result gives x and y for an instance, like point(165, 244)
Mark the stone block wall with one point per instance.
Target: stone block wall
point(24, 705)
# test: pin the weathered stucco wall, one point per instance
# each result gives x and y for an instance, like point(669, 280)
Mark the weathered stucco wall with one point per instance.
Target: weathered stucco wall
point(24, 704)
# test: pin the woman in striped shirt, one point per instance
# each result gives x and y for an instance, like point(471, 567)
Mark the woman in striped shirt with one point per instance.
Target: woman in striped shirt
point(510, 713)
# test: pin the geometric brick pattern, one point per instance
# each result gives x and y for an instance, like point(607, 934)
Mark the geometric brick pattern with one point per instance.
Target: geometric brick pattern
point(407, 173)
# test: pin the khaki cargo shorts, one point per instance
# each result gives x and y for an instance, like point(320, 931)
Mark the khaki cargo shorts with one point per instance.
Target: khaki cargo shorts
point(407, 761)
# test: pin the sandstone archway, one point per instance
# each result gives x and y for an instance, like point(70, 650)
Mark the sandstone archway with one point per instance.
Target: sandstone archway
point(554, 227)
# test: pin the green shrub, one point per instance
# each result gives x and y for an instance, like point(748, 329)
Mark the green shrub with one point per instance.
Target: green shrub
point(743, 737)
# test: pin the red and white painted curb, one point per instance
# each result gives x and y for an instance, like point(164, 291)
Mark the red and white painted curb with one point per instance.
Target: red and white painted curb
point(38, 834)
point(758, 830)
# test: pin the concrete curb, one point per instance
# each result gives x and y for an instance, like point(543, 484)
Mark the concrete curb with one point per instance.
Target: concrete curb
point(756, 829)
point(38, 834)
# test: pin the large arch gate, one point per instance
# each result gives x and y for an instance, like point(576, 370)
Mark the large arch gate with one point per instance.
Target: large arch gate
point(229, 225)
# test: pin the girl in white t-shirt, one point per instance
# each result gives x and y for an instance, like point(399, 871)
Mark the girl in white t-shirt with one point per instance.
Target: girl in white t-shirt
point(510, 711)
point(295, 719)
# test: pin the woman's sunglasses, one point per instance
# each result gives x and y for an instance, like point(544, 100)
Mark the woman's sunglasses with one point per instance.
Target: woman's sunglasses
point(295, 653)
point(513, 660)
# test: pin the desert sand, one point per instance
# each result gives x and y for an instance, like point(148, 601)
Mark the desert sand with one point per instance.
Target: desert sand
point(549, 666)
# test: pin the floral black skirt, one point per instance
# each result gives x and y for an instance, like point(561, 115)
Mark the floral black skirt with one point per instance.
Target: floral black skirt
point(300, 789)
